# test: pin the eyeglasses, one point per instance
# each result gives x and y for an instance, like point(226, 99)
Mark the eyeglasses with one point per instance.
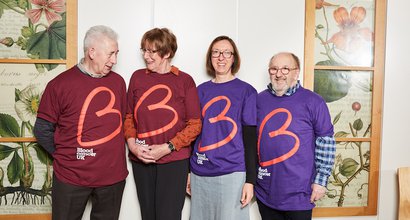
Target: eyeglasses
point(283, 70)
point(150, 52)
point(217, 53)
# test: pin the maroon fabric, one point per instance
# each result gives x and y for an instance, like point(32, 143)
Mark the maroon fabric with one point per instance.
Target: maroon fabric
point(88, 113)
point(162, 104)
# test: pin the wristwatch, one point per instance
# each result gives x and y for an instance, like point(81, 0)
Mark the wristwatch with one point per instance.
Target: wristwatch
point(171, 146)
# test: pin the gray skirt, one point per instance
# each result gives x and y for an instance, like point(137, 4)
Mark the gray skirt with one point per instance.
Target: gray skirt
point(218, 197)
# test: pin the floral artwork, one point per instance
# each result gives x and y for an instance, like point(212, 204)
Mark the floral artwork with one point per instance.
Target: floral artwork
point(344, 34)
point(351, 117)
point(344, 38)
point(33, 29)
point(25, 168)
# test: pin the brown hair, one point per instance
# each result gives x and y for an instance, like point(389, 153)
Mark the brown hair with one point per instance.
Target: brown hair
point(162, 39)
point(236, 62)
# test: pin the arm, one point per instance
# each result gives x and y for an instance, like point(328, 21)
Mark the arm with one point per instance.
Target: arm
point(324, 159)
point(249, 140)
point(188, 134)
point(44, 133)
point(181, 139)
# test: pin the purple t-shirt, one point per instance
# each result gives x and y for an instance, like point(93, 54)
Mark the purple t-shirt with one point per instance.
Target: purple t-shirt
point(88, 113)
point(225, 108)
point(287, 130)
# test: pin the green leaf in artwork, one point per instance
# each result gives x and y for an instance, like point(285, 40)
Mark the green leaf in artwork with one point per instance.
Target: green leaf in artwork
point(332, 85)
point(358, 124)
point(50, 43)
point(348, 167)
point(42, 155)
point(337, 117)
point(15, 168)
point(5, 151)
point(22, 4)
point(6, 4)
point(17, 93)
point(341, 134)
point(9, 126)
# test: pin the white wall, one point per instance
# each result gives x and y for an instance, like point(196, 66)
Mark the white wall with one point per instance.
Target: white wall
point(260, 28)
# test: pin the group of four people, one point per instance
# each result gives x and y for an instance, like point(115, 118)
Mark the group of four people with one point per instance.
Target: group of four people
point(219, 142)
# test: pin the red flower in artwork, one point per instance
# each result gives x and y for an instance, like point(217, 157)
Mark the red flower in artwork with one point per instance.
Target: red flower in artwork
point(350, 38)
point(51, 9)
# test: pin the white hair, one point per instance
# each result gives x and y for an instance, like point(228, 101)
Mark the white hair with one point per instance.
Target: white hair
point(96, 32)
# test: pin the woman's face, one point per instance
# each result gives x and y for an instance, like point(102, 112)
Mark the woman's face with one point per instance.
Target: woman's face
point(222, 57)
point(153, 61)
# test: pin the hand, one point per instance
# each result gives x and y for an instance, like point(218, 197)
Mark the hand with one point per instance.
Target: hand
point(140, 151)
point(188, 184)
point(318, 192)
point(247, 194)
point(159, 150)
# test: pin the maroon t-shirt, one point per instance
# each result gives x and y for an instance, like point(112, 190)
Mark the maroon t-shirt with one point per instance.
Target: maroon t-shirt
point(88, 113)
point(161, 105)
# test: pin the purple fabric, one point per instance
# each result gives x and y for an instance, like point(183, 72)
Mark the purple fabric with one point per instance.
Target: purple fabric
point(215, 153)
point(287, 130)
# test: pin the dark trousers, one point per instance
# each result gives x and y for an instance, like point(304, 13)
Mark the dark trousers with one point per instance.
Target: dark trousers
point(69, 201)
point(268, 213)
point(161, 189)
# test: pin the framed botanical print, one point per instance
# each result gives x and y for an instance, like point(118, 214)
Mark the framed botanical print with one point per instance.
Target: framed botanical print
point(38, 40)
point(344, 63)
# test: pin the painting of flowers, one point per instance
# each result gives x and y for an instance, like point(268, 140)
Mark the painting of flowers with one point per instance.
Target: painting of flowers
point(33, 29)
point(344, 41)
point(344, 33)
point(25, 168)
point(351, 118)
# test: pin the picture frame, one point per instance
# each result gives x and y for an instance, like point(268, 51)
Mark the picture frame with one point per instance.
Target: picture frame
point(344, 63)
point(33, 50)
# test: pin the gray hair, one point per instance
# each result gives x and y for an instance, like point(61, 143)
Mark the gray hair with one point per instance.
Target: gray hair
point(97, 32)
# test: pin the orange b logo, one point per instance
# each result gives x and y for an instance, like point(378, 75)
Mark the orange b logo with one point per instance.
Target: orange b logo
point(107, 110)
point(221, 117)
point(281, 131)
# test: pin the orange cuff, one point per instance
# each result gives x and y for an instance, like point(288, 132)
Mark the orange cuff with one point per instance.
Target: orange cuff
point(129, 129)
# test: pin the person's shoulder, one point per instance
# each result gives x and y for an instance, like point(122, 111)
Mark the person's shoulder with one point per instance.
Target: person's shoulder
point(311, 95)
point(140, 71)
point(65, 75)
point(245, 84)
point(264, 92)
point(206, 83)
point(115, 76)
point(183, 74)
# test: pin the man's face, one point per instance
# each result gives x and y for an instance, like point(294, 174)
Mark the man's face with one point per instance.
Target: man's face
point(104, 55)
point(283, 73)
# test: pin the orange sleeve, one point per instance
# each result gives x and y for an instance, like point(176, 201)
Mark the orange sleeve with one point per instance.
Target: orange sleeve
point(188, 134)
point(129, 129)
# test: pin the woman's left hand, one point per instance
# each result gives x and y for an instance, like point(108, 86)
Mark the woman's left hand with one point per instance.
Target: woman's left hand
point(247, 194)
point(159, 150)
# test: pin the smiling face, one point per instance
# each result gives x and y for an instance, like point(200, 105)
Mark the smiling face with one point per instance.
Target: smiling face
point(221, 64)
point(103, 55)
point(154, 61)
point(281, 82)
